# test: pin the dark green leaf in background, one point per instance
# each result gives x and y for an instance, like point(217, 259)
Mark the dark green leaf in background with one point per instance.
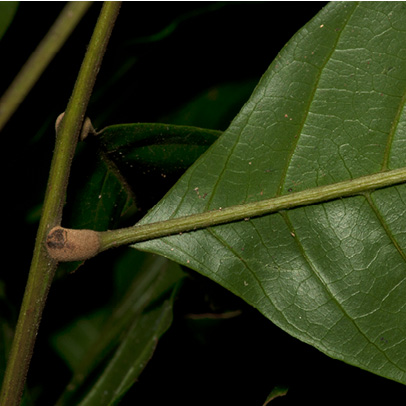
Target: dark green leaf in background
point(215, 108)
point(151, 157)
point(275, 393)
point(115, 345)
point(329, 108)
point(131, 357)
point(97, 199)
point(7, 12)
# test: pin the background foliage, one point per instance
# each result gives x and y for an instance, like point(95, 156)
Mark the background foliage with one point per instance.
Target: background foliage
point(200, 73)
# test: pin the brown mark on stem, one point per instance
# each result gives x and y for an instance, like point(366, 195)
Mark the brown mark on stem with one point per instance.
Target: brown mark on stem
point(65, 244)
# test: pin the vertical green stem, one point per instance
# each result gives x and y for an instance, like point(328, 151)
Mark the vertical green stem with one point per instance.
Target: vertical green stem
point(42, 266)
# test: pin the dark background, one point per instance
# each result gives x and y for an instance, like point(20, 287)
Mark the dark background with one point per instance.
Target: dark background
point(218, 362)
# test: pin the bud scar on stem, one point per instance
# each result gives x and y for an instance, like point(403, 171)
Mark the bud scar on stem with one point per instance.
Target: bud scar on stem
point(87, 127)
point(72, 245)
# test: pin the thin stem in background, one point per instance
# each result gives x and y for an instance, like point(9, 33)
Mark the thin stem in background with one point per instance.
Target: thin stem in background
point(42, 266)
point(40, 58)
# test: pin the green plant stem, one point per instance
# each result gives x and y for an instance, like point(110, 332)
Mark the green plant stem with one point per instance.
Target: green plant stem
point(42, 266)
point(40, 58)
point(138, 233)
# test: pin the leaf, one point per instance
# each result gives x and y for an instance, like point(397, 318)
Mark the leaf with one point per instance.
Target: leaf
point(7, 12)
point(74, 343)
point(151, 157)
point(99, 201)
point(131, 357)
point(329, 108)
point(174, 24)
point(215, 107)
point(114, 349)
point(276, 393)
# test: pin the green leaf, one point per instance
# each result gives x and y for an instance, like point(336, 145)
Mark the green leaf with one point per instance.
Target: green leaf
point(7, 12)
point(74, 342)
point(131, 356)
point(276, 393)
point(97, 199)
point(160, 145)
point(329, 108)
point(215, 107)
point(151, 157)
point(115, 349)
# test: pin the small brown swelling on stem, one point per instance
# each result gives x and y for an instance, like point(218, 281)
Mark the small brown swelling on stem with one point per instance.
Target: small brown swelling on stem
point(65, 244)
point(87, 127)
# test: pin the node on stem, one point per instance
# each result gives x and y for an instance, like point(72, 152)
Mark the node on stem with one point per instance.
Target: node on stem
point(65, 244)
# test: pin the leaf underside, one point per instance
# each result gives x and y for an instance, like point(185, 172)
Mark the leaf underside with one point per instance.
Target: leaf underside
point(151, 157)
point(329, 108)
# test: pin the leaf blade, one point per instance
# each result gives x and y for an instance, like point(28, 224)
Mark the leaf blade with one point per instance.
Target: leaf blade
point(151, 157)
point(122, 341)
point(331, 275)
point(124, 367)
